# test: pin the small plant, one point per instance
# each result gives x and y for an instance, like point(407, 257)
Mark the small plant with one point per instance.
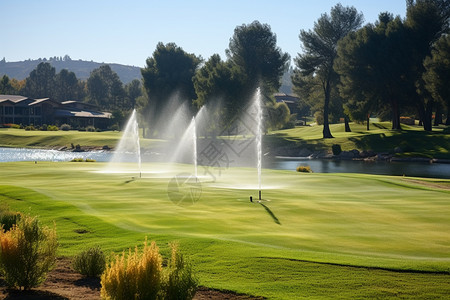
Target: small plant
point(137, 276)
point(77, 160)
point(178, 280)
point(52, 128)
point(336, 148)
point(44, 127)
point(27, 253)
point(8, 219)
point(90, 160)
point(304, 169)
point(30, 128)
point(90, 262)
point(90, 128)
point(65, 127)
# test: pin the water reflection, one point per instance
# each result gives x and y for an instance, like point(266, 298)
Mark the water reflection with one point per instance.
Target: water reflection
point(413, 169)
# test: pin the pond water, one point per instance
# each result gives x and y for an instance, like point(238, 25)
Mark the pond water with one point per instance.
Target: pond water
point(413, 169)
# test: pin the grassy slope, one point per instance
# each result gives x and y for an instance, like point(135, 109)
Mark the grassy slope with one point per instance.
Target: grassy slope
point(328, 223)
point(379, 138)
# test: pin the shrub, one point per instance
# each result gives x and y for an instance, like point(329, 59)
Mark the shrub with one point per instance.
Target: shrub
point(77, 160)
point(90, 262)
point(336, 148)
point(178, 280)
point(52, 128)
point(44, 127)
point(30, 128)
point(27, 253)
point(10, 125)
point(136, 277)
point(90, 160)
point(65, 127)
point(304, 169)
point(8, 219)
point(90, 128)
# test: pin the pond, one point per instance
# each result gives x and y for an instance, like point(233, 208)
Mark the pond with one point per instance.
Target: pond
point(414, 169)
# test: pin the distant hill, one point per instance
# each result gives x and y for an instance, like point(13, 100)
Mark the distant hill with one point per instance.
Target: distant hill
point(82, 69)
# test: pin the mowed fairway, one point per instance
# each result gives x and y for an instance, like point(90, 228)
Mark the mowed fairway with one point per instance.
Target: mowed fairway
point(314, 235)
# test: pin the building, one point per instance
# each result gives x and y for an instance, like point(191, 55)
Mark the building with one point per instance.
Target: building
point(27, 111)
point(290, 100)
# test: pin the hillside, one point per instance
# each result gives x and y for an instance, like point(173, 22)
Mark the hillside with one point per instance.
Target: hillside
point(82, 69)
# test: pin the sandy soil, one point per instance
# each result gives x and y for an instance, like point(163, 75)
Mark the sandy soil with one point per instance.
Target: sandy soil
point(64, 283)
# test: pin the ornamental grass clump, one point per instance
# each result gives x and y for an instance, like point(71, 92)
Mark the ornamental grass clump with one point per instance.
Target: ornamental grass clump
point(137, 276)
point(90, 262)
point(27, 253)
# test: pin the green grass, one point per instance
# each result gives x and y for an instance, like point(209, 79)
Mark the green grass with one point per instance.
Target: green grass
point(380, 138)
point(320, 235)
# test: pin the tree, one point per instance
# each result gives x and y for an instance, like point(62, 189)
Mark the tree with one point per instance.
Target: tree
point(253, 48)
point(437, 75)
point(426, 21)
point(170, 70)
point(66, 86)
point(5, 86)
point(105, 89)
point(373, 64)
point(133, 91)
point(221, 84)
point(41, 82)
point(320, 51)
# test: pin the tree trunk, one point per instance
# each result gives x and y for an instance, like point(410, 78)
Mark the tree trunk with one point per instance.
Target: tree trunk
point(438, 115)
point(395, 116)
point(447, 122)
point(326, 126)
point(347, 125)
point(428, 116)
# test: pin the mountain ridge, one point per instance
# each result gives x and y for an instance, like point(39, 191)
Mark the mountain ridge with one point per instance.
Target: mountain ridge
point(82, 68)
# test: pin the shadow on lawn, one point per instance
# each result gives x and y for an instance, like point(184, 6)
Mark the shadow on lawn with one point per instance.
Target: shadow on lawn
point(275, 219)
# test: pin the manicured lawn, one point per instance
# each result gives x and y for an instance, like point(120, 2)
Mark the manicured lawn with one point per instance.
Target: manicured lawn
point(412, 139)
point(318, 235)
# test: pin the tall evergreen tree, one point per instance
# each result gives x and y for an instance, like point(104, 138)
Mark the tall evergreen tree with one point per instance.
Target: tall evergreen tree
point(320, 51)
point(41, 82)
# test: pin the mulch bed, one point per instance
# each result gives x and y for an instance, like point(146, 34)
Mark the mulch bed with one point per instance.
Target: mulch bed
point(65, 283)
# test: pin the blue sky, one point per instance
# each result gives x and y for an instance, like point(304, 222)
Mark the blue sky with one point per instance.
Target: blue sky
point(127, 32)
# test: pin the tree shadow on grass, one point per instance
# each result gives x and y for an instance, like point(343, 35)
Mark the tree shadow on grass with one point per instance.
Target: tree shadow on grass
point(275, 219)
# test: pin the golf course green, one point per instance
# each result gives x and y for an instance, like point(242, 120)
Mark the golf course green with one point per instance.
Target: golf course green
point(313, 235)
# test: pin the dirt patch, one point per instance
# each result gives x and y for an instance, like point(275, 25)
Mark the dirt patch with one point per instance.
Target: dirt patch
point(443, 185)
point(65, 283)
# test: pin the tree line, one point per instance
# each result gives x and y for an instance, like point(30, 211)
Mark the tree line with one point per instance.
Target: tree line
point(394, 67)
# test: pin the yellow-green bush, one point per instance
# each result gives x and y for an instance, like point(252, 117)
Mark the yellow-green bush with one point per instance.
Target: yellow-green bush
point(179, 281)
point(141, 276)
point(138, 276)
point(304, 169)
point(91, 262)
point(27, 253)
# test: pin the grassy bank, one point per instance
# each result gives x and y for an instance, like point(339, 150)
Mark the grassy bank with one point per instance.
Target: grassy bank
point(412, 139)
point(319, 235)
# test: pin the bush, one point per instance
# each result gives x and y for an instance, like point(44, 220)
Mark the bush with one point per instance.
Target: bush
point(90, 262)
point(8, 219)
point(65, 127)
point(52, 128)
point(77, 160)
point(27, 253)
point(44, 127)
point(90, 160)
point(10, 125)
point(304, 169)
point(336, 149)
point(90, 128)
point(178, 279)
point(136, 277)
point(30, 128)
